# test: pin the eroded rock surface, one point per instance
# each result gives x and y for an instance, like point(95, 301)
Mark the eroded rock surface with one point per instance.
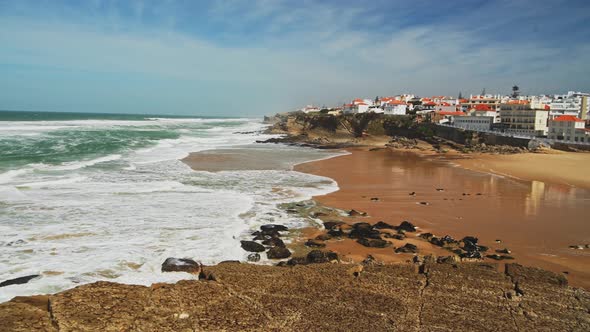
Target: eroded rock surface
point(318, 297)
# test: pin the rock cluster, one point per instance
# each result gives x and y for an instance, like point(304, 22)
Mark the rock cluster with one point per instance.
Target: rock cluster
point(400, 142)
point(267, 238)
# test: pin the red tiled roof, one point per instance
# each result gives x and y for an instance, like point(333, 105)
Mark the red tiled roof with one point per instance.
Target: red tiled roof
point(567, 118)
point(482, 107)
point(450, 113)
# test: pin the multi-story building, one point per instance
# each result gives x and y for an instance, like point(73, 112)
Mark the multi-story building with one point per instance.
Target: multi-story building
point(476, 123)
point(493, 101)
point(569, 129)
point(572, 103)
point(518, 118)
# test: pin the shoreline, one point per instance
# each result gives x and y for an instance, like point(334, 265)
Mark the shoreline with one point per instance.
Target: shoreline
point(354, 193)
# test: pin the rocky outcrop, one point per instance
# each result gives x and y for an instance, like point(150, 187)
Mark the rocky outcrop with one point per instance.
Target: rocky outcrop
point(252, 246)
point(181, 265)
point(317, 297)
point(19, 280)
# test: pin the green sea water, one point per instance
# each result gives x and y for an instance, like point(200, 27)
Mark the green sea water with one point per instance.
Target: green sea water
point(54, 138)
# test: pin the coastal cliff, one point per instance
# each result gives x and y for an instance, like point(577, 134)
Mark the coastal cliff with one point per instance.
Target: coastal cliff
point(399, 131)
point(319, 297)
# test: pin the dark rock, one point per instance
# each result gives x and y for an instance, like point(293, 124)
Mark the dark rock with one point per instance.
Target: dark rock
point(499, 257)
point(423, 203)
point(19, 280)
point(579, 247)
point(437, 241)
point(413, 193)
point(375, 199)
point(440, 189)
point(335, 233)
point(273, 227)
point(406, 226)
point(261, 237)
point(332, 223)
point(252, 246)
point(383, 225)
point(408, 248)
point(274, 242)
point(254, 257)
point(374, 243)
point(364, 230)
point(278, 253)
point(471, 255)
point(207, 275)
point(427, 236)
point(323, 237)
point(318, 256)
point(181, 265)
point(355, 213)
point(394, 236)
point(314, 244)
point(297, 261)
point(503, 251)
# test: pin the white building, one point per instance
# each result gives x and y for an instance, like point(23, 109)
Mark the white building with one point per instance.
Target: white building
point(476, 123)
point(520, 119)
point(573, 103)
point(569, 129)
point(395, 108)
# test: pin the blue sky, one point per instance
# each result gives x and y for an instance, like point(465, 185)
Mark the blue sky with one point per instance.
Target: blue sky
point(255, 57)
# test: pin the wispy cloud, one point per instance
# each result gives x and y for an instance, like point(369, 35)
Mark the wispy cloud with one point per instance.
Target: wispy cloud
point(262, 56)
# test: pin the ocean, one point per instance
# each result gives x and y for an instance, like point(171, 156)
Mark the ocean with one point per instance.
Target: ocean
point(88, 197)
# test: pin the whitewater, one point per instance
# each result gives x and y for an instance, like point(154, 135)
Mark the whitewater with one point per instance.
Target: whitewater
point(84, 198)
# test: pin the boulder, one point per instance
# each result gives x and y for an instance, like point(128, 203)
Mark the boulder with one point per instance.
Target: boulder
point(19, 280)
point(426, 236)
point(408, 248)
point(383, 225)
point(323, 237)
point(374, 243)
point(252, 246)
point(318, 256)
point(254, 257)
point(273, 227)
point(172, 264)
point(278, 253)
point(335, 233)
point(364, 230)
point(274, 242)
point(332, 223)
point(314, 244)
point(406, 226)
point(394, 236)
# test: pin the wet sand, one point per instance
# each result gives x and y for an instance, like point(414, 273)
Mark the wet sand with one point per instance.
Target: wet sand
point(537, 220)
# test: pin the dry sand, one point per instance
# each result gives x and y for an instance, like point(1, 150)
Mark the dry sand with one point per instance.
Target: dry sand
point(556, 167)
point(537, 220)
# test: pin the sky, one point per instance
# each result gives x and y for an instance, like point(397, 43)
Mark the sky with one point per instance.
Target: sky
point(255, 57)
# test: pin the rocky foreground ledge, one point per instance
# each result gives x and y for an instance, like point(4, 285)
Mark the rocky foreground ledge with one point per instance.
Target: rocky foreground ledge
point(319, 297)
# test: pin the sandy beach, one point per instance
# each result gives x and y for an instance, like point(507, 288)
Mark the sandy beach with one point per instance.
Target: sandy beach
point(537, 217)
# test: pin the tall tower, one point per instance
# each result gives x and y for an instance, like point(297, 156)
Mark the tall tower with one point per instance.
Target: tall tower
point(515, 92)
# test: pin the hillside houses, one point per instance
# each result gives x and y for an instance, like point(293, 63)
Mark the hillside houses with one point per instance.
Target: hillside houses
point(546, 116)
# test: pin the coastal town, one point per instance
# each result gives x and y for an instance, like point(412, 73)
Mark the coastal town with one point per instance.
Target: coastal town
point(550, 118)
